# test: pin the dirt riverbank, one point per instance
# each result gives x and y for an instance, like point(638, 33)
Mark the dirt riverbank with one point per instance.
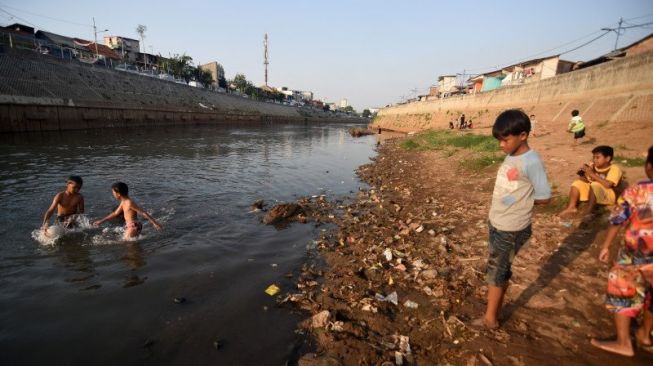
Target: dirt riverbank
point(405, 269)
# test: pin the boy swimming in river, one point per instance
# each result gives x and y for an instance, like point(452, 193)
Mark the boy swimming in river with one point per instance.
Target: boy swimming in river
point(129, 209)
point(68, 204)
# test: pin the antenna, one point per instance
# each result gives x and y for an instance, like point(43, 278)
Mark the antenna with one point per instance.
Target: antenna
point(265, 57)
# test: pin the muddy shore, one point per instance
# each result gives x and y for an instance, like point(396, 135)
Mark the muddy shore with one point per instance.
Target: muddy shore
point(404, 272)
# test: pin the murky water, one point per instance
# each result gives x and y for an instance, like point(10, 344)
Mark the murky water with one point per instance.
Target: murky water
point(92, 299)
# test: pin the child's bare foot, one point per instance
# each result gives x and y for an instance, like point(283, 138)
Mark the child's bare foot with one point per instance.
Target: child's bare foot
point(642, 338)
point(483, 323)
point(568, 212)
point(614, 347)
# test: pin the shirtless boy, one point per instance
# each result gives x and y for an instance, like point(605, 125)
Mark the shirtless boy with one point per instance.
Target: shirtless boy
point(129, 209)
point(68, 204)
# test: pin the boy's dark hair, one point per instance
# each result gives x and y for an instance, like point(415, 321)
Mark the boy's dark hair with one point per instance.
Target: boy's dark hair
point(575, 113)
point(511, 122)
point(649, 158)
point(121, 188)
point(604, 150)
point(77, 179)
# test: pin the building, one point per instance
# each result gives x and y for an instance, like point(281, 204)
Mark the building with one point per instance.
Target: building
point(447, 85)
point(632, 49)
point(100, 50)
point(215, 69)
point(343, 103)
point(307, 96)
point(127, 48)
point(520, 73)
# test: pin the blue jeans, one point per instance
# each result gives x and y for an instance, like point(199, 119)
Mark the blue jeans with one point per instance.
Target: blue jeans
point(503, 246)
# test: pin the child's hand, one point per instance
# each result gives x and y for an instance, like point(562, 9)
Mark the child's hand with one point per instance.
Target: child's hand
point(97, 223)
point(603, 256)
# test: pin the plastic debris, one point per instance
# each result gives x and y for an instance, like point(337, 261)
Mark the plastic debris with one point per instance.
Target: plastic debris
point(272, 290)
point(388, 254)
point(392, 298)
point(321, 319)
point(411, 304)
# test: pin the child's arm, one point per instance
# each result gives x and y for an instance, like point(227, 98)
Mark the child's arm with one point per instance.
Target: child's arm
point(609, 237)
point(112, 215)
point(80, 205)
point(149, 218)
point(50, 211)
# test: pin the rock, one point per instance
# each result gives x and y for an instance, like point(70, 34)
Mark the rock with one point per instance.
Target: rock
point(281, 212)
point(217, 344)
point(311, 359)
point(429, 274)
point(321, 319)
point(257, 205)
point(179, 300)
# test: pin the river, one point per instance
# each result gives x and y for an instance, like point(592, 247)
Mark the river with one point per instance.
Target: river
point(91, 298)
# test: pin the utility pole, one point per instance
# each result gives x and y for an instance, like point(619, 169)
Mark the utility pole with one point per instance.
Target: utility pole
point(621, 20)
point(265, 57)
point(95, 34)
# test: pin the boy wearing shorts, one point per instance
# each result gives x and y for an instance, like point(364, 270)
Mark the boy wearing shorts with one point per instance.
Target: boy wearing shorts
point(576, 125)
point(629, 290)
point(596, 182)
point(521, 182)
point(129, 209)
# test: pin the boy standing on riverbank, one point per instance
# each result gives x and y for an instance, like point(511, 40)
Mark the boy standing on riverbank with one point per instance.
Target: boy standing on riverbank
point(129, 209)
point(67, 203)
point(576, 125)
point(521, 182)
point(630, 280)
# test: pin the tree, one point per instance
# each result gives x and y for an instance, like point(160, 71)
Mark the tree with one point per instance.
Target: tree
point(222, 82)
point(204, 77)
point(349, 109)
point(366, 113)
point(141, 32)
point(240, 81)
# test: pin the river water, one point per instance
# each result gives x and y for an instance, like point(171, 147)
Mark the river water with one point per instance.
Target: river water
point(90, 298)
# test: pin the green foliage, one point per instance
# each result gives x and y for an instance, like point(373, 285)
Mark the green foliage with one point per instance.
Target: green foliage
point(349, 109)
point(366, 113)
point(240, 81)
point(204, 77)
point(629, 162)
point(179, 66)
point(484, 147)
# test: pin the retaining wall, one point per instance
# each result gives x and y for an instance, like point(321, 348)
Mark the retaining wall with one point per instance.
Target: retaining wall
point(39, 93)
point(620, 91)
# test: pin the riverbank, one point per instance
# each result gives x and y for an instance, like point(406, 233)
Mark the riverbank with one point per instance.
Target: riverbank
point(405, 270)
point(41, 93)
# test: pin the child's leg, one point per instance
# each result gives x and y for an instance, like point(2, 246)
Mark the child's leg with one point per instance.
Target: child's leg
point(591, 201)
point(622, 345)
point(643, 334)
point(574, 197)
point(494, 302)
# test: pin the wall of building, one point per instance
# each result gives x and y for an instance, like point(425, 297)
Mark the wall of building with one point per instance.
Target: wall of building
point(619, 91)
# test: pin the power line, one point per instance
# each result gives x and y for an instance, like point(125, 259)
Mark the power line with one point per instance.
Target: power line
point(49, 17)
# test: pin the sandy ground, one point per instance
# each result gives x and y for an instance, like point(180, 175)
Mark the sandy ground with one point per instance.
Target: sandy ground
point(420, 231)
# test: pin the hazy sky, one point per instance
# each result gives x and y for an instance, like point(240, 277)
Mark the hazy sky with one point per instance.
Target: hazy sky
point(371, 52)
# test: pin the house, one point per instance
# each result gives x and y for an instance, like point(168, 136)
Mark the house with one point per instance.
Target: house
point(99, 50)
point(447, 85)
point(19, 35)
point(215, 69)
point(643, 45)
point(19, 29)
point(53, 40)
point(125, 47)
point(520, 73)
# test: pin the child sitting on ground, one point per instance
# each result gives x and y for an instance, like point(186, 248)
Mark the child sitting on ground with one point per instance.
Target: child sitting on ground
point(596, 182)
point(631, 277)
point(129, 209)
point(576, 125)
point(521, 182)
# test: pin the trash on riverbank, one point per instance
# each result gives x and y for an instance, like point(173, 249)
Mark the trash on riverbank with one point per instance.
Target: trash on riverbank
point(272, 290)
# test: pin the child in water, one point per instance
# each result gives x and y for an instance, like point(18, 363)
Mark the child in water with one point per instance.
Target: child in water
point(129, 209)
point(68, 204)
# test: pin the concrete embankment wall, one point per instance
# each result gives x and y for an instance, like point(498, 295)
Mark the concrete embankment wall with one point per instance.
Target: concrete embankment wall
point(619, 91)
point(39, 93)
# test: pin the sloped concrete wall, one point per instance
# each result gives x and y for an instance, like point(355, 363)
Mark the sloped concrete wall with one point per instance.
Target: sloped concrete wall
point(620, 91)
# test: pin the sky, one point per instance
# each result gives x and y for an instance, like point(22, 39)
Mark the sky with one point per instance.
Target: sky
point(373, 53)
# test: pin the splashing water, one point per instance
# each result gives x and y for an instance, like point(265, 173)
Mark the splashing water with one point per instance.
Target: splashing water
point(53, 233)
